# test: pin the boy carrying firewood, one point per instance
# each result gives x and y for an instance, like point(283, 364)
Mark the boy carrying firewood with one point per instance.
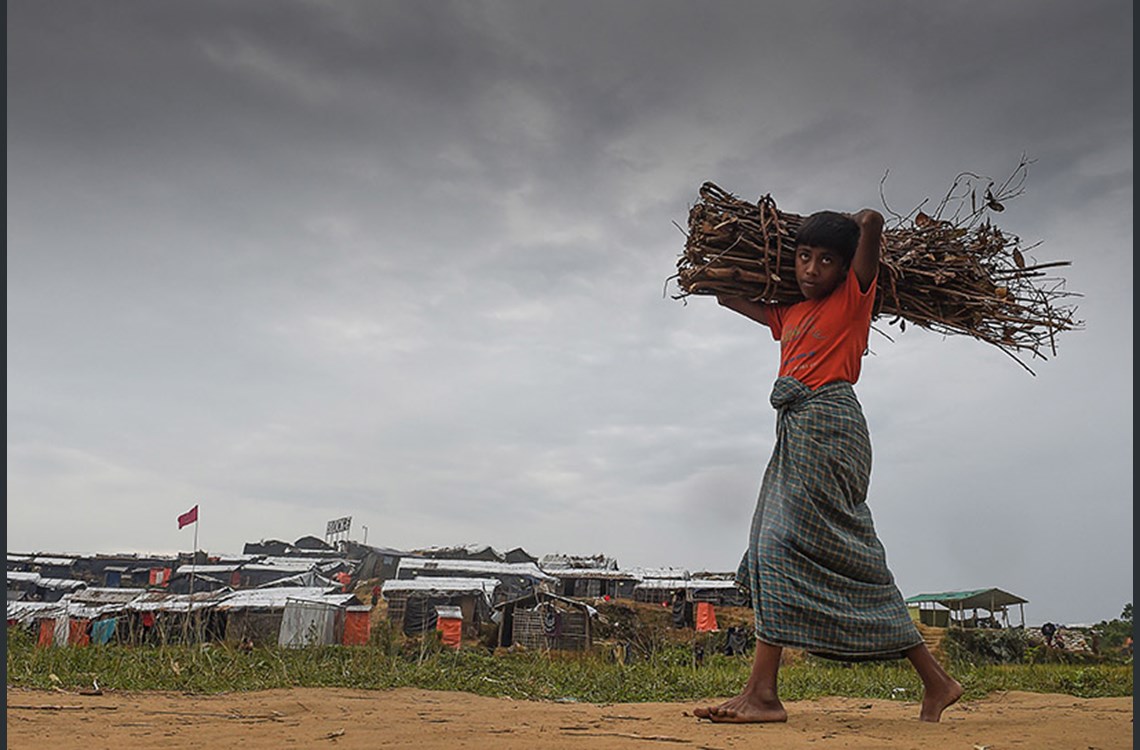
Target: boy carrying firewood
point(815, 566)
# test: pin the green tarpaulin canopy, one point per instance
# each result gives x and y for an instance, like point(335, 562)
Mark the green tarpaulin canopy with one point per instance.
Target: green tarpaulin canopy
point(990, 599)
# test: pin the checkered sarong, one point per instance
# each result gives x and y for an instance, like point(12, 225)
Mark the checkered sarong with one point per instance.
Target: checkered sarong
point(816, 569)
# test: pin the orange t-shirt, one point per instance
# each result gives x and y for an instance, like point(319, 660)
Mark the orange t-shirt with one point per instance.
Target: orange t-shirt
point(822, 341)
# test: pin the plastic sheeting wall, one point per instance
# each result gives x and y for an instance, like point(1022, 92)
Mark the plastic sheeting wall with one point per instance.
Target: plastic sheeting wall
point(305, 623)
point(357, 626)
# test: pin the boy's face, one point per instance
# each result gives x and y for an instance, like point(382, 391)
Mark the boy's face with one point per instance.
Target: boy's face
point(818, 271)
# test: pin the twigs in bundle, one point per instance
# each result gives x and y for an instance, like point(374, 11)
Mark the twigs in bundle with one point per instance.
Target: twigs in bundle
point(952, 271)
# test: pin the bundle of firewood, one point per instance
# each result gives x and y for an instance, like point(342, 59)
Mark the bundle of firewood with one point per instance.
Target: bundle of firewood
point(957, 275)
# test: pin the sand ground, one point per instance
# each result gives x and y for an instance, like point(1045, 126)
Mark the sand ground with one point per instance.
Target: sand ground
point(407, 718)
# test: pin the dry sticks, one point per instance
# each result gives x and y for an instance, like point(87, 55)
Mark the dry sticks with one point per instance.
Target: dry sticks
point(957, 275)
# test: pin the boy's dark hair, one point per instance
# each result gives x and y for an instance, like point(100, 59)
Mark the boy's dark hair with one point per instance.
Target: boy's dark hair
point(830, 230)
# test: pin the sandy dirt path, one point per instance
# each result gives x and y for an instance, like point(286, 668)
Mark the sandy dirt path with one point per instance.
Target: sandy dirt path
point(407, 718)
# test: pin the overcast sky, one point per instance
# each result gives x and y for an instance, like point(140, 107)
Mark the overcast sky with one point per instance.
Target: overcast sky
point(407, 262)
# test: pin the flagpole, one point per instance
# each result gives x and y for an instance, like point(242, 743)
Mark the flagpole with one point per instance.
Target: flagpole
point(194, 561)
point(194, 555)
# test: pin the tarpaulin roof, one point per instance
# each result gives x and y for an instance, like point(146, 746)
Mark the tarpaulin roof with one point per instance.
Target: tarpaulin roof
point(162, 601)
point(54, 584)
point(672, 573)
point(300, 563)
point(26, 612)
point(185, 570)
point(988, 599)
point(596, 573)
point(433, 586)
point(686, 583)
point(97, 597)
point(529, 570)
point(593, 562)
point(275, 598)
point(308, 578)
point(534, 598)
point(43, 560)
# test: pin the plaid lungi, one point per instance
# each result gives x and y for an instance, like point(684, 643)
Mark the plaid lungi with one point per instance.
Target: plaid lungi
point(815, 567)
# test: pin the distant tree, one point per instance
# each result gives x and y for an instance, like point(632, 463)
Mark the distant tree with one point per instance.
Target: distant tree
point(1112, 633)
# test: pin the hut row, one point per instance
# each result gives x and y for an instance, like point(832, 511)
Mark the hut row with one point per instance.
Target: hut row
point(281, 615)
point(536, 608)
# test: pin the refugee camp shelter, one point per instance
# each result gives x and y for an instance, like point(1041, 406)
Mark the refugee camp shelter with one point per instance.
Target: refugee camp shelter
point(157, 616)
point(125, 569)
point(267, 547)
point(255, 572)
point(19, 561)
point(257, 615)
point(53, 566)
point(961, 608)
point(545, 621)
point(312, 544)
point(558, 561)
point(95, 613)
point(722, 591)
point(515, 579)
point(657, 585)
point(595, 583)
point(412, 602)
point(483, 552)
point(374, 562)
point(31, 586)
point(40, 618)
point(309, 622)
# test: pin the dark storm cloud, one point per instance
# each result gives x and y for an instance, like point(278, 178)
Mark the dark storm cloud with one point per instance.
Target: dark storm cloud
point(409, 261)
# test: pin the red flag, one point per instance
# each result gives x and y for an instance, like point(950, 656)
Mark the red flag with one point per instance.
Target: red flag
point(188, 517)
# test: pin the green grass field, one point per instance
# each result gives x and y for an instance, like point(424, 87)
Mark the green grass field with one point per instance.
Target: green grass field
point(669, 674)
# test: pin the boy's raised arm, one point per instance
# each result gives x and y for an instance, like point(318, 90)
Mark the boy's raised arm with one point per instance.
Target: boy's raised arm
point(866, 260)
point(745, 307)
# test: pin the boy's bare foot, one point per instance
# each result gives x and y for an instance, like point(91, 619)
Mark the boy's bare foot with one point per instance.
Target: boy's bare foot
point(934, 702)
point(743, 710)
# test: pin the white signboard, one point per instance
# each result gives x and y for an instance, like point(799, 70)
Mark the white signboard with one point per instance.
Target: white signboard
point(338, 525)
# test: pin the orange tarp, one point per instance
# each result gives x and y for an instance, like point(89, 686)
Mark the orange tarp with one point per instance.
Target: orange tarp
point(77, 633)
point(706, 617)
point(357, 627)
point(450, 631)
point(47, 633)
